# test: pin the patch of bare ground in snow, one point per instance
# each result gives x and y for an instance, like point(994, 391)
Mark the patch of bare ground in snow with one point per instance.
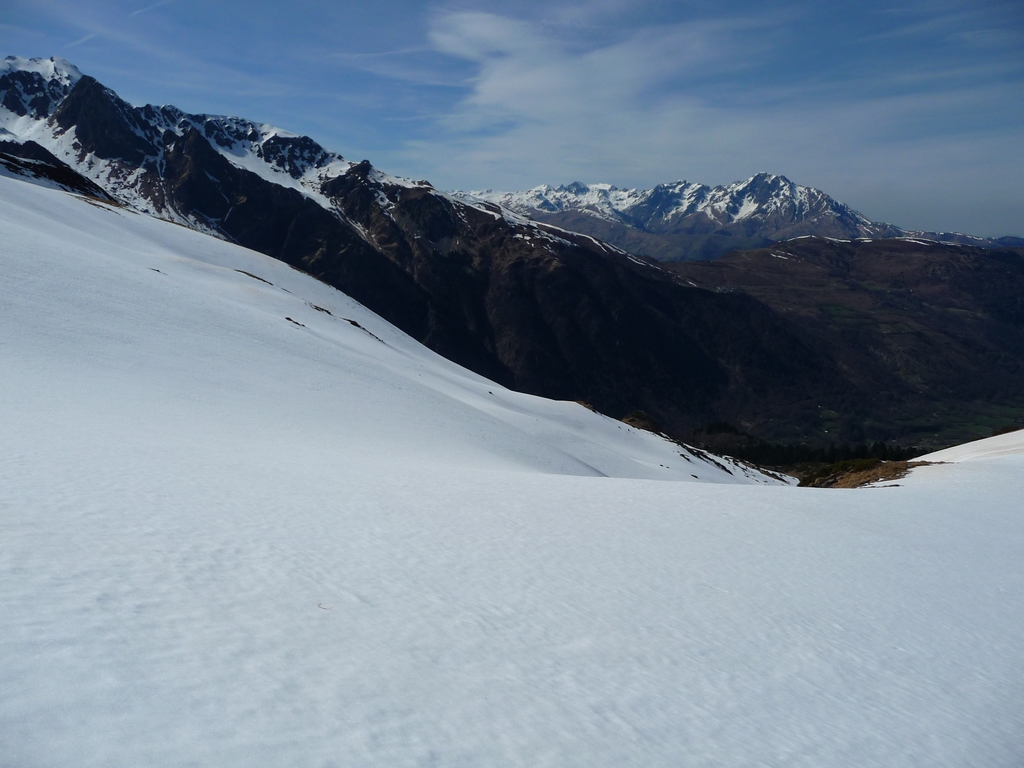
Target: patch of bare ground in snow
point(860, 472)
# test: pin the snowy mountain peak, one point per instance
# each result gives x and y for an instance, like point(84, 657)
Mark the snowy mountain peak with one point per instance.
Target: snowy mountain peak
point(753, 198)
point(763, 207)
point(575, 188)
point(239, 139)
point(53, 69)
point(603, 200)
point(125, 149)
point(33, 88)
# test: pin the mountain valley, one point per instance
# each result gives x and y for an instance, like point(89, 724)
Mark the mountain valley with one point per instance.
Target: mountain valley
point(529, 304)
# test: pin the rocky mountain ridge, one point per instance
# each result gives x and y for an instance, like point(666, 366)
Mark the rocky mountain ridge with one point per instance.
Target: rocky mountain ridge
point(686, 220)
point(769, 200)
point(533, 306)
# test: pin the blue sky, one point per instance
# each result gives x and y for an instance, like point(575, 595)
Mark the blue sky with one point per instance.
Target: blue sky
point(910, 111)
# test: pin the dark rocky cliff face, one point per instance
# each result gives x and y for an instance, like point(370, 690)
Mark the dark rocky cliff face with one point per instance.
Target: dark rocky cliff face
point(570, 319)
point(104, 125)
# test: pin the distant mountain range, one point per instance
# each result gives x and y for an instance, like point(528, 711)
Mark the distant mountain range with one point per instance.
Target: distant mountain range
point(684, 220)
point(528, 304)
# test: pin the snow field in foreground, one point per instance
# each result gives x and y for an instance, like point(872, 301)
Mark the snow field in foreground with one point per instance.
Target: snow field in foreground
point(226, 539)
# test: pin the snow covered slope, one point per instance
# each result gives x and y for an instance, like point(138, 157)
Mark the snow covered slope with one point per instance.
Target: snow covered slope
point(1010, 444)
point(245, 522)
point(176, 317)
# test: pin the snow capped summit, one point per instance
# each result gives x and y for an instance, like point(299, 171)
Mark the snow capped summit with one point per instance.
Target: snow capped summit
point(758, 197)
point(603, 200)
point(128, 149)
point(123, 144)
point(31, 90)
point(53, 69)
point(752, 212)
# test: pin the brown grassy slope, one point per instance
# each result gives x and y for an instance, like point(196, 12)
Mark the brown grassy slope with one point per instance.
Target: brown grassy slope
point(937, 330)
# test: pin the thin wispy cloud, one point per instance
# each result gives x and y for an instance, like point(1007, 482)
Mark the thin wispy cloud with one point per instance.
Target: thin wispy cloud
point(83, 39)
point(379, 54)
point(412, 66)
point(529, 79)
point(148, 8)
